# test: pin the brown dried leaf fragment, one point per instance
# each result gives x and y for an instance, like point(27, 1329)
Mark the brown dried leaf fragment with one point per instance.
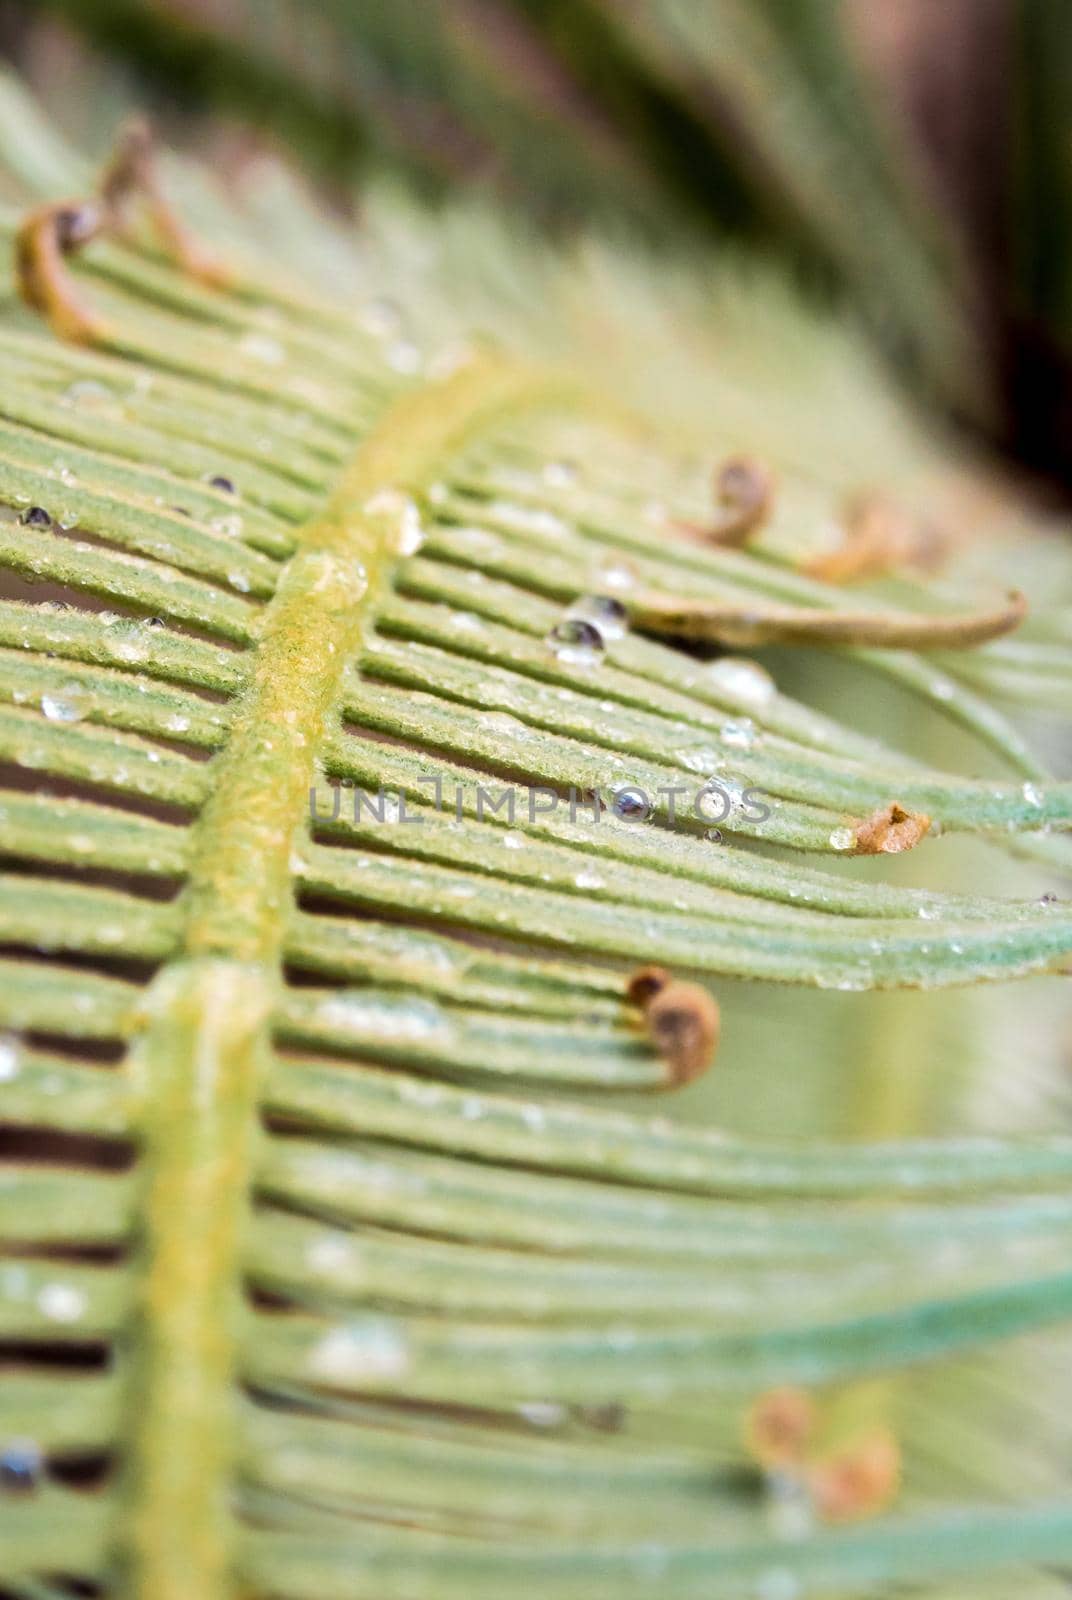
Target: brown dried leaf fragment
point(683, 1023)
point(645, 984)
point(890, 830)
point(133, 172)
point(858, 1482)
point(744, 489)
point(51, 232)
point(880, 537)
point(767, 622)
point(778, 1428)
point(744, 494)
point(45, 236)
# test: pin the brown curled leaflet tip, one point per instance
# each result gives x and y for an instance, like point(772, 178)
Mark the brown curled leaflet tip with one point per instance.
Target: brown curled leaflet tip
point(51, 232)
point(744, 490)
point(683, 1024)
point(744, 494)
point(859, 1481)
point(133, 172)
point(779, 1427)
point(761, 623)
point(879, 537)
point(45, 236)
point(645, 984)
point(890, 830)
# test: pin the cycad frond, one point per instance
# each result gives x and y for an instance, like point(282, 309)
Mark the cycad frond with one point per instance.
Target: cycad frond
point(315, 1215)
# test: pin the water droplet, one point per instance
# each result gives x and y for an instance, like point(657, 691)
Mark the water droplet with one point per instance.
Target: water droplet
point(617, 573)
point(587, 879)
point(560, 474)
point(576, 643)
point(466, 622)
point(36, 517)
point(9, 1057)
point(22, 1466)
point(527, 519)
point(542, 1413)
point(842, 839)
point(229, 526)
point(604, 612)
point(87, 394)
point(129, 640)
point(177, 723)
point(790, 1507)
point(388, 502)
point(66, 705)
point(631, 804)
point(719, 799)
point(403, 356)
point(739, 734)
point(61, 1302)
point(239, 581)
point(369, 1351)
point(1031, 794)
point(743, 680)
point(703, 760)
point(384, 1017)
point(330, 1255)
point(262, 347)
point(410, 531)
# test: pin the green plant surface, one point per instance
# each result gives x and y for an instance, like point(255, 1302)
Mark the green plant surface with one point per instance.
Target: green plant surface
point(339, 1235)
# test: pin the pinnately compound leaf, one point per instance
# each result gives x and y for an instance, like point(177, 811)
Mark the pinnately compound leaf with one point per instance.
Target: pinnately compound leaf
point(350, 775)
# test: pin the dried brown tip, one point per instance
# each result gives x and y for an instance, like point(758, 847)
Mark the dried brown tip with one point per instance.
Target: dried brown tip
point(645, 984)
point(779, 1427)
point(51, 232)
point(769, 622)
point(132, 172)
point(890, 830)
point(880, 537)
point(48, 234)
point(744, 491)
point(744, 494)
point(683, 1023)
point(860, 1481)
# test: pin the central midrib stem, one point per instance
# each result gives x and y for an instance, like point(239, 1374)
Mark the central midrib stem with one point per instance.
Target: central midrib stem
point(205, 1030)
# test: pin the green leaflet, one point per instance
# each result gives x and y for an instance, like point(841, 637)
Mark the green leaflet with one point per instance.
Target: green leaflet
point(310, 1121)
